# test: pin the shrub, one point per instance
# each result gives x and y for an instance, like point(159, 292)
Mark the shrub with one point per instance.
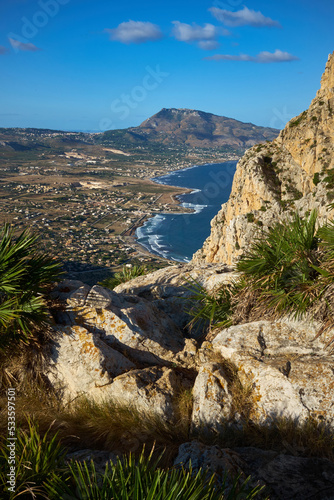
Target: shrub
point(38, 460)
point(298, 120)
point(280, 265)
point(213, 309)
point(316, 178)
point(127, 274)
point(24, 274)
point(143, 479)
point(250, 217)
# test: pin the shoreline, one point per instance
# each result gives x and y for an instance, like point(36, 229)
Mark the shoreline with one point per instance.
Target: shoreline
point(174, 196)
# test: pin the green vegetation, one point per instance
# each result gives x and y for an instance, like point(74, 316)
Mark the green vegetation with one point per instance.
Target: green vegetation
point(288, 269)
point(143, 479)
point(213, 309)
point(294, 192)
point(250, 217)
point(316, 178)
point(127, 274)
point(329, 179)
point(40, 461)
point(297, 121)
point(43, 473)
point(25, 273)
point(280, 266)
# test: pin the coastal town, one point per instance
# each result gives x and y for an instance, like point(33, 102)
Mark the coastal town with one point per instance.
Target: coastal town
point(86, 200)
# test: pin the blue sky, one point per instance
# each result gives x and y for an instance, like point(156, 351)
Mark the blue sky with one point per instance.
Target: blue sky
point(97, 64)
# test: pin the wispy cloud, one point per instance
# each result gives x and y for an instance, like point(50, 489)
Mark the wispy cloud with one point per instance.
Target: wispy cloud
point(205, 36)
point(208, 44)
point(26, 47)
point(135, 32)
point(3, 50)
point(264, 57)
point(243, 17)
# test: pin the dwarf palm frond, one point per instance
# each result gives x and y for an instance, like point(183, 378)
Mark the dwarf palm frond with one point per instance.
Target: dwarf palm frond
point(24, 274)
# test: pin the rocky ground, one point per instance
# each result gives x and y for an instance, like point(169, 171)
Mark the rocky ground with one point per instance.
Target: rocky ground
point(133, 345)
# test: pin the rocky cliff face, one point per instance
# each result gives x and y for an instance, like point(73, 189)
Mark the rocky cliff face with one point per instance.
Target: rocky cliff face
point(293, 173)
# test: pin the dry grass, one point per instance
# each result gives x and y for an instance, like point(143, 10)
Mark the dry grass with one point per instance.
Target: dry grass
point(109, 426)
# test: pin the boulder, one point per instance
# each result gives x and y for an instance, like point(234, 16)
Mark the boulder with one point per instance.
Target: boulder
point(150, 391)
point(100, 335)
point(284, 476)
point(82, 363)
point(212, 400)
point(130, 324)
point(279, 366)
point(170, 289)
point(222, 462)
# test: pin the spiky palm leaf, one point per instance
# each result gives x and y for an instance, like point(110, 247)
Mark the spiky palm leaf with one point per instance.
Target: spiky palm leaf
point(24, 273)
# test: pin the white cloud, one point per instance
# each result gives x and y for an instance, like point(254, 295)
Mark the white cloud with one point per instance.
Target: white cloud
point(243, 17)
point(263, 58)
point(26, 47)
point(193, 32)
point(208, 44)
point(135, 32)
point(205, 36)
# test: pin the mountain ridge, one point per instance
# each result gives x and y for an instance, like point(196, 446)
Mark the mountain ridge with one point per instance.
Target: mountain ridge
point(194, 128)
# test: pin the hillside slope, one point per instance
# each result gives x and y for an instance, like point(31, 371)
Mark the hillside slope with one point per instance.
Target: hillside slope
point(194, 128)
point(293, 173)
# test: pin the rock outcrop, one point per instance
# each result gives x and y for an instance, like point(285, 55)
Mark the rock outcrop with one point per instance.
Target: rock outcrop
point(283, 475)
point(123, 347)
point(274, 180)
point(117, 346)
point(263, 371)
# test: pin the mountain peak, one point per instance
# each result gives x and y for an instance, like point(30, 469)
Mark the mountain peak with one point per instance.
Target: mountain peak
point(327, 80)
point(201, 129)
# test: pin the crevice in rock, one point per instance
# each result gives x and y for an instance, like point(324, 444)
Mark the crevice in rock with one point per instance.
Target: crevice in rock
point(286, 369)
point(262, 342)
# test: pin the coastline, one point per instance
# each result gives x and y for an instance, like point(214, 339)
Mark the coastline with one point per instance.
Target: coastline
point(173, 244)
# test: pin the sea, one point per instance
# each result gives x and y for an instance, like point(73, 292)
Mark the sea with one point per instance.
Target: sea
point(179, 236)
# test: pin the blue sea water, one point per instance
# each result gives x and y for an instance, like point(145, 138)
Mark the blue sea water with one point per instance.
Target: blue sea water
point(179, 236)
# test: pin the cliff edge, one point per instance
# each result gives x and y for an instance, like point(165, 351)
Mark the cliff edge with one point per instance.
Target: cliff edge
point(294, 172)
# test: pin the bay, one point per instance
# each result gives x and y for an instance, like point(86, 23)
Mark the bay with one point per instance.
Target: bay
point(179, 236)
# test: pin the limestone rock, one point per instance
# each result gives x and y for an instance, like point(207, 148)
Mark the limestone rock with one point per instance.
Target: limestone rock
point(286, 373)
point(170, 288)
point(276, 179)
point(209, 458)
point(127, 323)
point(284, 476)
point(151, 390)
point(212, 400)
point(82, 363)
point(295, 478)
point(101, 335)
